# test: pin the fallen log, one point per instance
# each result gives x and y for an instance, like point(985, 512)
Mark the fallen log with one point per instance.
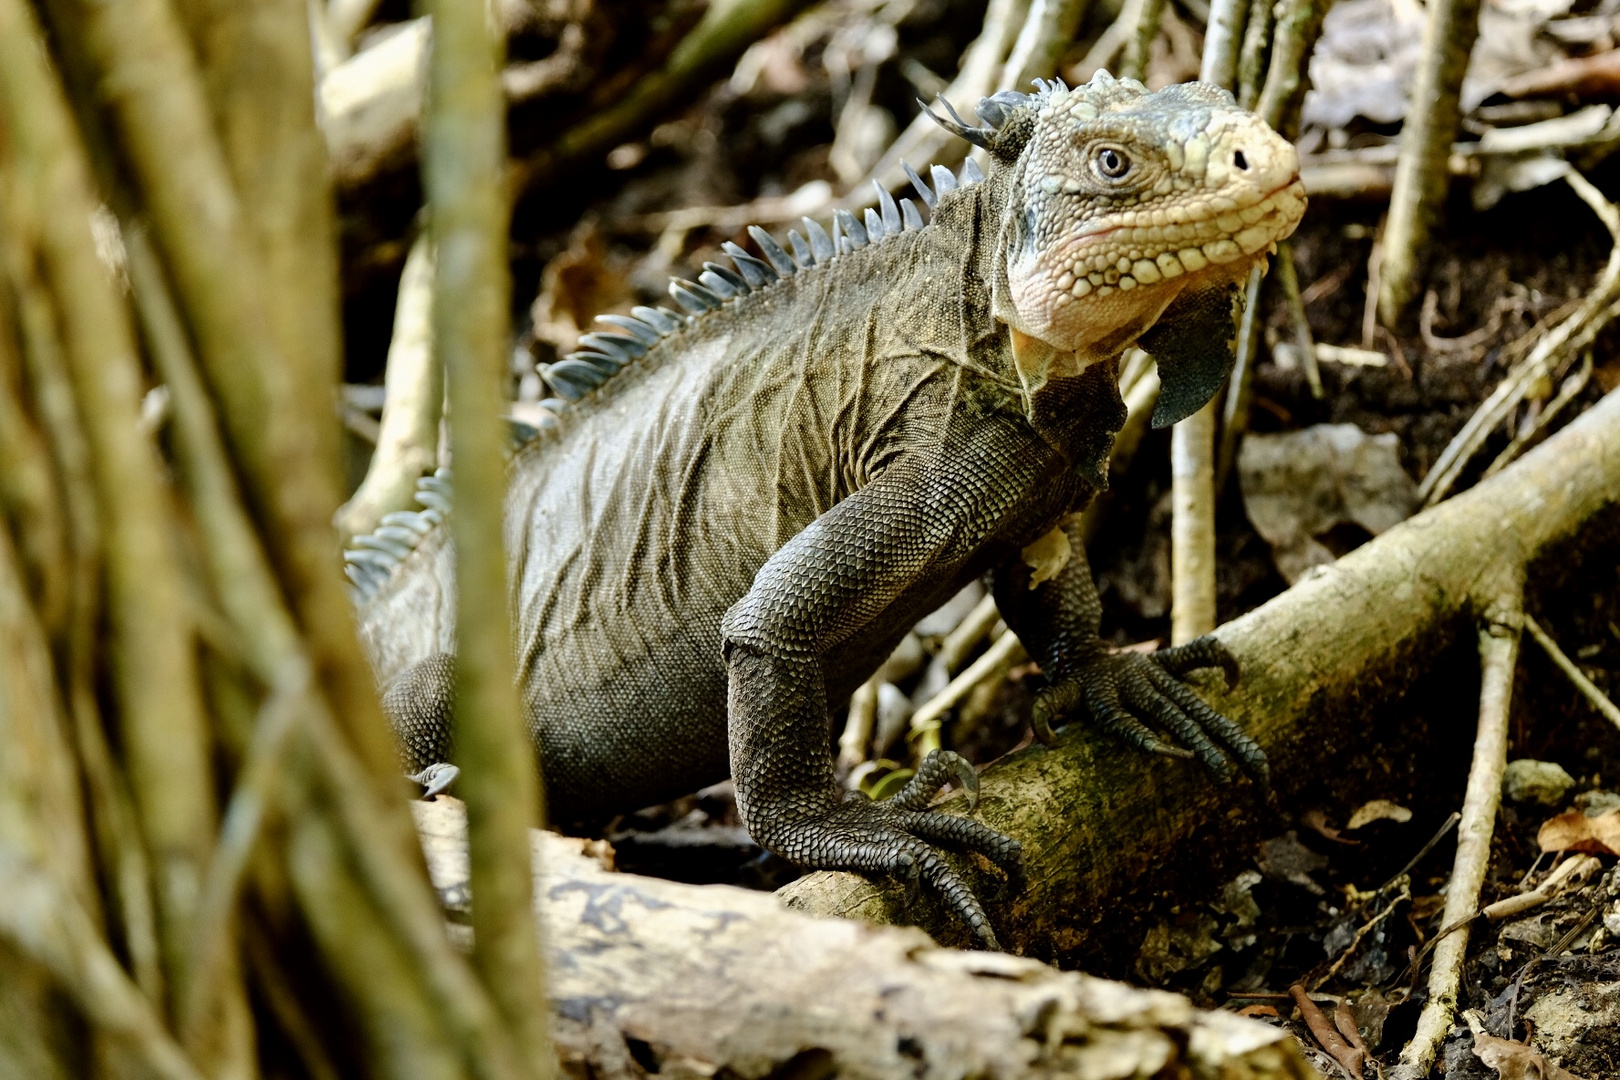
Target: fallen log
point(653, 976)
point(1103, 826)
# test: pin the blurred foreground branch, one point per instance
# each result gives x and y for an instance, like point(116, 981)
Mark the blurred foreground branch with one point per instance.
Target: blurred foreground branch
point(193, 607)
point(464, 155)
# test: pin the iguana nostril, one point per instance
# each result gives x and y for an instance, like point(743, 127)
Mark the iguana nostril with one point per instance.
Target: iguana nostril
point(1240, 161)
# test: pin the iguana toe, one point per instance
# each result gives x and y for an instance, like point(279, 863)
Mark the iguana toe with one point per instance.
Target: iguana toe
point(938, 768)
point(1124, 692)
point(1203, 652)
point(435, 778)
point(898, 836)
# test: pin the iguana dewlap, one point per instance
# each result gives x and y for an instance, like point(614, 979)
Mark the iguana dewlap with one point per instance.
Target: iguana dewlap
point(741, 508)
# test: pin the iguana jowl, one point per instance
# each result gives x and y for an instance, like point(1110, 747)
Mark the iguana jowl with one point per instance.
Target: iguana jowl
point(741, 509)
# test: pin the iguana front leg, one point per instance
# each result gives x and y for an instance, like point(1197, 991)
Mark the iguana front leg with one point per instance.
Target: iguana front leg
point(825, 585)
point(1057, 620)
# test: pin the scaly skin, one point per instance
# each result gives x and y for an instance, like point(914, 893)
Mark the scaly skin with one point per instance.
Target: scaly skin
point(717, 544)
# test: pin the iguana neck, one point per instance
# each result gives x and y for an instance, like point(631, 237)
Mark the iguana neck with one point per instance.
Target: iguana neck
point(1074, 406)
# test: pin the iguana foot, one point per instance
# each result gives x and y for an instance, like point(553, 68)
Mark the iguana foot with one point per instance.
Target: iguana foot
point(435, 778)
point(897, 837)
point(1120, 690)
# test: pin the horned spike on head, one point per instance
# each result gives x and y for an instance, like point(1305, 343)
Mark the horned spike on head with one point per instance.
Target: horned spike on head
point(978, 136)
point(995, 109)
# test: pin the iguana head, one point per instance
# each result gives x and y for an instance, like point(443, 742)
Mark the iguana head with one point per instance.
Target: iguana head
point(1124, 206)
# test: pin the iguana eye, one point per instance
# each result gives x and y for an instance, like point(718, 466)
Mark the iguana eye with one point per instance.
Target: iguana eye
point(1111, 164)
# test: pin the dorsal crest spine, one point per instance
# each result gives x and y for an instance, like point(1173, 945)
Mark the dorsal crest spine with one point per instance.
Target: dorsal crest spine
point(625, 339)
point(604, 353)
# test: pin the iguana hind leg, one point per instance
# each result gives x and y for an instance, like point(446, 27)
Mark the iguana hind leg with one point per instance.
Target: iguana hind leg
point(418, 703)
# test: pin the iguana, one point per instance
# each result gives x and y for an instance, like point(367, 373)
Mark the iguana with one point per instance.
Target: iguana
point(736, 511)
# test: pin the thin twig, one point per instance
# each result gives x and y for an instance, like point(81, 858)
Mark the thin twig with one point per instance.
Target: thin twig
point(1587, 687)
point(1567, 875)
point(1421, 176)
point(1571, 388)
point(28, 491)
point(1296, 315)
point(222, 268)
point(1139, 38)
point(1555, 348)
point(1498, 650)
point(370, 832)
point(380, 843)
point(1251, 68)
point(113, 814)
point(288, 1010)
point(1192, 525)
point(923, 140)
point(1240, 384)
point(1222, 41)
point(1350, 950)
point(45, 923)
point(1298, 27)
point(1004, 653)
point(1439, 835)
point(1048, 30)
point(253, 799)
point(724, 32)
point(962, 640)
point(408, 437)
point(41, 809)
point(162, 718)
point(856, 738)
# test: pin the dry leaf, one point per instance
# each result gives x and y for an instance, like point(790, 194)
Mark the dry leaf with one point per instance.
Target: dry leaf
point(1511, 1060)
point(1575, 831)
point(1326, 1034)
point(575, 286)
point(1317, 822)
point(1316, 493)
point(1047, 556)
point(1378, 810)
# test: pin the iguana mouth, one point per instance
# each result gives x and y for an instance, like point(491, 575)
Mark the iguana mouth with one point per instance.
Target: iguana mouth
point(1094, 230)
point(1172, 242)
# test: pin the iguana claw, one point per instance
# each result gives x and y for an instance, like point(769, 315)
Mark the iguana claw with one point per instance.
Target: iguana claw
point(435, 778)
point(898, 836)
point(1122, 689)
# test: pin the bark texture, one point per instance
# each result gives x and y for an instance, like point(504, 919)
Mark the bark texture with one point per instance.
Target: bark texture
point(697, 980)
